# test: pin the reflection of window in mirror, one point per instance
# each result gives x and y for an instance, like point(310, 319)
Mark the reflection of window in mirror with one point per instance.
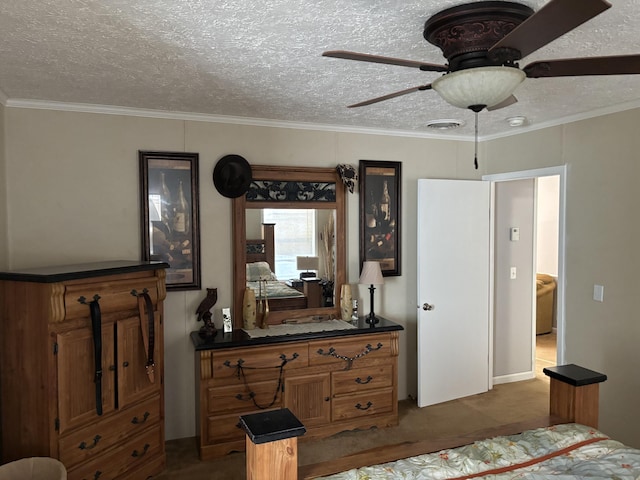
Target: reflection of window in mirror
point(295, 235)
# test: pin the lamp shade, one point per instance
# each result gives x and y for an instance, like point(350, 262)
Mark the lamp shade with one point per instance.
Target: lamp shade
point(371, 274)
point(307, 263)
point(486, 86)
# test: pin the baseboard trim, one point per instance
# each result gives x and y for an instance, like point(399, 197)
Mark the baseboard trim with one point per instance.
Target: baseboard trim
point(513, 377)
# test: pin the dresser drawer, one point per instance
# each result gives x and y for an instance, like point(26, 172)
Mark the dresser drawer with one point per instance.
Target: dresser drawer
point(257, 363)
point(241, 398)
point(361, 379)
point(94, 440)
point(352, 351)
point(360, 405)
point(115, 295)
point(132, 454)
point(226, 428)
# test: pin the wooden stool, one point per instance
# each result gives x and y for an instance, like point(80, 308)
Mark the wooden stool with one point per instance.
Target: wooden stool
point(574, 393)
point(272, 444)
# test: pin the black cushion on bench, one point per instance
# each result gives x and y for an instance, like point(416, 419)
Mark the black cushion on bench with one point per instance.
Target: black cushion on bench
point(574, 375)
point(270, 426)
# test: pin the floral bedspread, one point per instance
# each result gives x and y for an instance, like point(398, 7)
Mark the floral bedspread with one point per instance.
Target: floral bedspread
point(560, 452)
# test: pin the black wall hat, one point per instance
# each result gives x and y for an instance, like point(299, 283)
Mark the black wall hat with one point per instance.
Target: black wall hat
point(232, 176)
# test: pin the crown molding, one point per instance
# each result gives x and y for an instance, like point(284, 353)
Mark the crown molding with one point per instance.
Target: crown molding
point(202, 117)
point(599, 112)
point(261, 122)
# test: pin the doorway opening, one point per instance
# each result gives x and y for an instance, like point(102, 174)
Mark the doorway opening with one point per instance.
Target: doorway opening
point(556, 336)
point(546, 353)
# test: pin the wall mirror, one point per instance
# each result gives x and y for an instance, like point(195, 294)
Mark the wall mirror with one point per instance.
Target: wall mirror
point(289, 229)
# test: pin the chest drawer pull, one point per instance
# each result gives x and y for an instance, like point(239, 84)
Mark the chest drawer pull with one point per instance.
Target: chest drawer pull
point(240, 368)
point(84, 446)
point(96, 475)
point(364, 382)
point(135, 420)
point(360, 407)
point(134, 292)
point(332, 353)
point(135, 453)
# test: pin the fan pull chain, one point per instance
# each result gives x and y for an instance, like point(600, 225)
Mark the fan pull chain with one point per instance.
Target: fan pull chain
point(475, 151)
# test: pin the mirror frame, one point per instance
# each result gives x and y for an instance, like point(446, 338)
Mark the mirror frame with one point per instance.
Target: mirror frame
point(239, 206)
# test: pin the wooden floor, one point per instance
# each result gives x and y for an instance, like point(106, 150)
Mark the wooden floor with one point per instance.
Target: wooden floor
point(507, 403)
point(546, 353)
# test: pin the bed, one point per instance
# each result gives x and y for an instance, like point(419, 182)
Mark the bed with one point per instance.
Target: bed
point(564, 445)
point(260, 266)
point(562, 451)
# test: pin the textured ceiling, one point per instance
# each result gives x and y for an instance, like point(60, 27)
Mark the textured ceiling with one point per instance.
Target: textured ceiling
point(263, 60)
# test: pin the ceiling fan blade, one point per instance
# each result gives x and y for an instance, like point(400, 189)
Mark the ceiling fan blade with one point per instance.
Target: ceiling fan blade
point(550, 22)
point(365, 57)
point(614, 65)
point(391, 95)
point(505, 103)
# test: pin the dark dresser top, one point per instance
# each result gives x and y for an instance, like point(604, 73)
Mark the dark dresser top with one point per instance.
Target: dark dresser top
point(239, 338)
point(84, 270)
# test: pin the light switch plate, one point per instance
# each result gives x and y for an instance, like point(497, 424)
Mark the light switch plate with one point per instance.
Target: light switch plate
point(598, 293)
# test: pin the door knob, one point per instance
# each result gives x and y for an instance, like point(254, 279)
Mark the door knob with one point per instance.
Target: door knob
point(427, 306)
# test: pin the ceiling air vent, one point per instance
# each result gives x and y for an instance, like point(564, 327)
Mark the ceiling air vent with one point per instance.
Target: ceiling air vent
point(446, 124)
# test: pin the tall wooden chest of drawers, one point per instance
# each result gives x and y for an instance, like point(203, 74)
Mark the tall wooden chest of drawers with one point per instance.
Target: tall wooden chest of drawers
point(101, 415)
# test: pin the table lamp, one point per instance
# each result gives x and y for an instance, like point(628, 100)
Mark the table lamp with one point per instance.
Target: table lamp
point(371, 275)
point(307, 263)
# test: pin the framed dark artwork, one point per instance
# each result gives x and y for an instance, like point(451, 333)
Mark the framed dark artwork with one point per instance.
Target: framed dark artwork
point(380, 184)
point(169, 207)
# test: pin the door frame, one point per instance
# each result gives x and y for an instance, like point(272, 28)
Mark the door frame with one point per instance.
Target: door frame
point(561, 171)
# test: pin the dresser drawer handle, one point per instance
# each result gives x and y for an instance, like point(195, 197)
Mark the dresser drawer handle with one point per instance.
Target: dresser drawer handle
point(84, 446)
point(144, 451)
point(364, 382)
point(360, 407)
point(246, 398)
point(135, 420)
point(96, 475)
point(332, 353)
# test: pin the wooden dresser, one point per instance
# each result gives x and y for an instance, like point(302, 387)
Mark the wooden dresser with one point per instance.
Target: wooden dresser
point(102, 417)
point(332, 381)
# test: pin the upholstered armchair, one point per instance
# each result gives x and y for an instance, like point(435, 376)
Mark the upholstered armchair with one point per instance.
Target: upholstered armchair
point(546, 303)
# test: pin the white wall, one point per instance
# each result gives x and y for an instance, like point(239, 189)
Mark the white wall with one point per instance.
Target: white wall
point(4, 234)
point(514, 207)
point(73, 197)
point(602, 237)
point(547, 213)
point(72, 185)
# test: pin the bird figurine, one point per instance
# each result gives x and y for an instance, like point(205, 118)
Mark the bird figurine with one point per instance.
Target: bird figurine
point(204, 313)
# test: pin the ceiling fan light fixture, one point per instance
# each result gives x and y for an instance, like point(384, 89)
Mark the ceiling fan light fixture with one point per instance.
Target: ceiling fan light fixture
point(485, 86)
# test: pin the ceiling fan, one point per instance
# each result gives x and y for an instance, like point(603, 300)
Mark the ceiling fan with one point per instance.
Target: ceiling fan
point(483, 41)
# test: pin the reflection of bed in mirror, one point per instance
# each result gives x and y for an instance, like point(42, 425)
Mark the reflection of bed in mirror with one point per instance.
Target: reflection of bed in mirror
point(261, 265)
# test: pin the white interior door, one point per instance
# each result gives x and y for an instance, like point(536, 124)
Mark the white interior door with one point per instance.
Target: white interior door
point(454, 275)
